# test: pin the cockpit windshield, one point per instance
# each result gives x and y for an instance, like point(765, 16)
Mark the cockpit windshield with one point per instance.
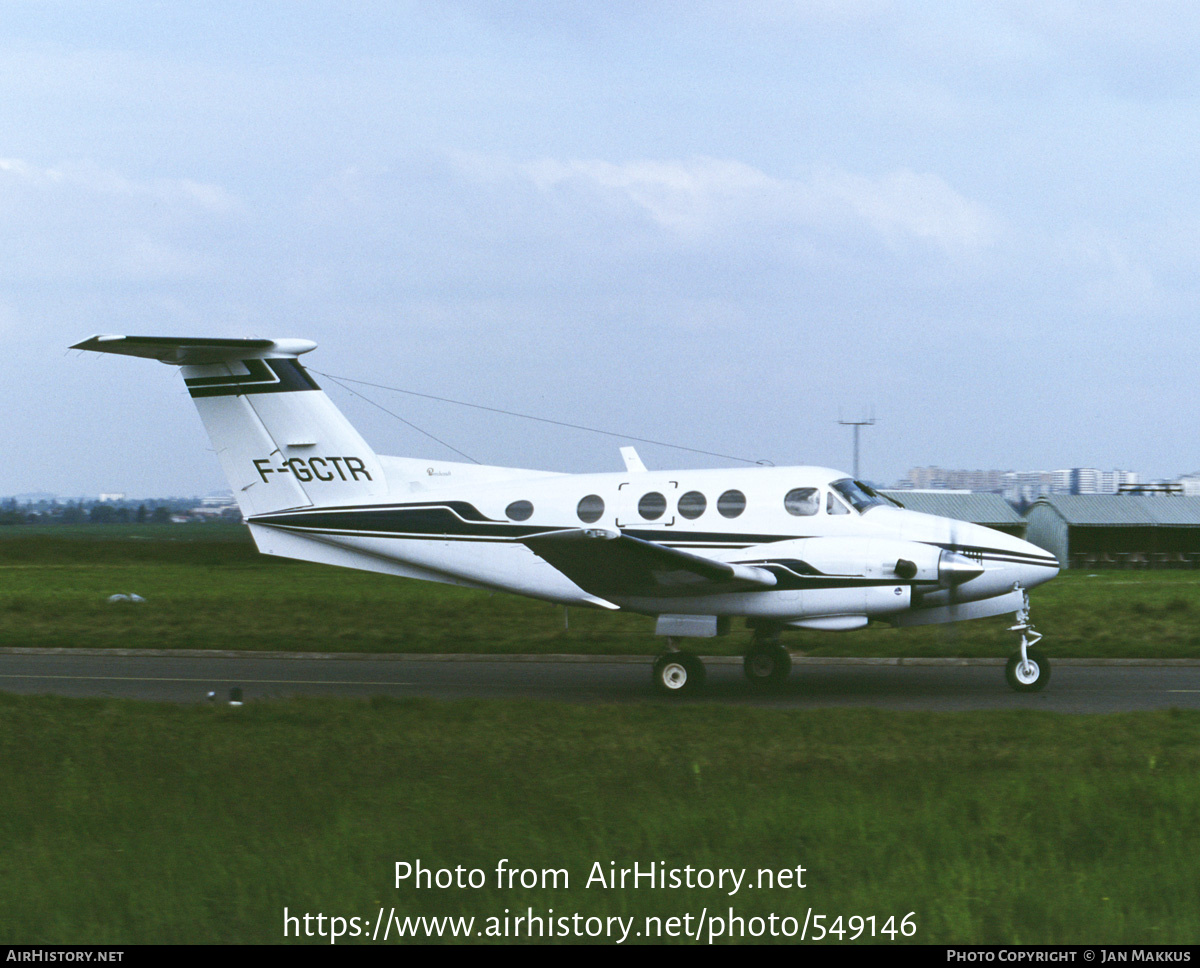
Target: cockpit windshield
point(862, 497)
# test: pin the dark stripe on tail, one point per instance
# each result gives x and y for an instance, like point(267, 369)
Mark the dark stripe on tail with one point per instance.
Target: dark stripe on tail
point(262, 376)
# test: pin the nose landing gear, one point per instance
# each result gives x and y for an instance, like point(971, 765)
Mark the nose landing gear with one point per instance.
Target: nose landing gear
point(1029, 670)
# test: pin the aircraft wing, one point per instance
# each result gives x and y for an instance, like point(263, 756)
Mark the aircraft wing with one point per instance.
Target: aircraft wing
point(606, 564)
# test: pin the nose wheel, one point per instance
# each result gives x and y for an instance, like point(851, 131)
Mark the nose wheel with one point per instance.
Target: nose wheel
point(1028, 673)
point(1029, 670)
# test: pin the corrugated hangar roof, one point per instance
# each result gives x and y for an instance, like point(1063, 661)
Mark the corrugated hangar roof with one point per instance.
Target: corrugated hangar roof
point(963, 506)
point(1125, 510)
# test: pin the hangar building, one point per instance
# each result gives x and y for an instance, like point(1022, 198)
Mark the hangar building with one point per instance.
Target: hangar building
point(1117, 531)
point(990, 510)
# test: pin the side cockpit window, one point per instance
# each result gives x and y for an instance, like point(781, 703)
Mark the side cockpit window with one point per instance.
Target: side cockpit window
point(802, 501)
point(862, 497)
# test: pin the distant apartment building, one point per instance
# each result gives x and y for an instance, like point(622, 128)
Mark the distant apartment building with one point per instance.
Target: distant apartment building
point(1189, 484)
point(1088, 480)
point(1022, 487)
point(940, 479)
point(215, 506)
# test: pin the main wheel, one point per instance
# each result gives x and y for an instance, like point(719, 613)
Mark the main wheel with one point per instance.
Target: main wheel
point(1031, 676)
point(678, 674)
point(767, 663)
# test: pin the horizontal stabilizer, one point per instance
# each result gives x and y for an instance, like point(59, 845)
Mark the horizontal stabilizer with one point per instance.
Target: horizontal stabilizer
point(199, 351)
point(606, 564)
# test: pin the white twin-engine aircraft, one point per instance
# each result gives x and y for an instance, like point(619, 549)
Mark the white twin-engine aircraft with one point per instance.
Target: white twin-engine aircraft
point(782, 547)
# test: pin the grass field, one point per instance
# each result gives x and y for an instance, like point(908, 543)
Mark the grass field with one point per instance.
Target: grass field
point(125, 822)
point(206, 587)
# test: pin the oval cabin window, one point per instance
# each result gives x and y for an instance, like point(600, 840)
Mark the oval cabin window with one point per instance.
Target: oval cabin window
point(519, 511)
point(731, 504)
point(590, 508)
point(692, 505)
point(652, 506)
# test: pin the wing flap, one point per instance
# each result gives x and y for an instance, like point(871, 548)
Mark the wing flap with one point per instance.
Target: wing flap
point(607, 564)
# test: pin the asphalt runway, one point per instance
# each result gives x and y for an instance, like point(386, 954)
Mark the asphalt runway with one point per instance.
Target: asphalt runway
point(1079, 686)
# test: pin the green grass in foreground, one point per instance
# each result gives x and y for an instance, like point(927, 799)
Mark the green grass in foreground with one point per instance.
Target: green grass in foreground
point(207, 588)
point(124, 822)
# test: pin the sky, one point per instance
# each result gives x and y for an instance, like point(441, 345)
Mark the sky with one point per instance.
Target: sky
point(723, 225)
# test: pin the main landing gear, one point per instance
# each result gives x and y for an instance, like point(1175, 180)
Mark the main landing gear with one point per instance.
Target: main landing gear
point(1029, 670)
point(677, 673)
point(767, 663)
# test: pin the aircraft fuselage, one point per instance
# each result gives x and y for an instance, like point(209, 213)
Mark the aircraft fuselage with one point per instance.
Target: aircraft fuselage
point(828, 557)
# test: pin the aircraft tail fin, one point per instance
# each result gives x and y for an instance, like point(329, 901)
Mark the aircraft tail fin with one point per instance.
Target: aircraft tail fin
point(281, 441)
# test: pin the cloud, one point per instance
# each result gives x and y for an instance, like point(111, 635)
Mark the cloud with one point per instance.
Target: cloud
point(99, 182)
point(689, 198)
point(81, 222)
point(704, 197)
point(907, 203)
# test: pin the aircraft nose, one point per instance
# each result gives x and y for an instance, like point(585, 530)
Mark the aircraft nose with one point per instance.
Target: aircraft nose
point(1038, 566)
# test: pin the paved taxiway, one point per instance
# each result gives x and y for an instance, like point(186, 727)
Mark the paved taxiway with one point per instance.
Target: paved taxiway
point(1076, 687)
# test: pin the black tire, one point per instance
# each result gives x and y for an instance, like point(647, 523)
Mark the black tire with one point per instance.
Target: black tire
point(678, 674)
point(767, 664)
point(1032, 679)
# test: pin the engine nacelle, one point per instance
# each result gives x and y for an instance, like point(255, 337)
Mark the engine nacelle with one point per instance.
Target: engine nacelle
point(884, 559)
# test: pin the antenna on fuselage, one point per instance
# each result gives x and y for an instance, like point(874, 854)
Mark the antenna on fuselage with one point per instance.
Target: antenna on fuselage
point(633, 463)
point(856, 424)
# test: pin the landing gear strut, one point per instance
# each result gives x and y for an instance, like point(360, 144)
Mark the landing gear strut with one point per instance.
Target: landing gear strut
point(1029, 670)
point(767, 663)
